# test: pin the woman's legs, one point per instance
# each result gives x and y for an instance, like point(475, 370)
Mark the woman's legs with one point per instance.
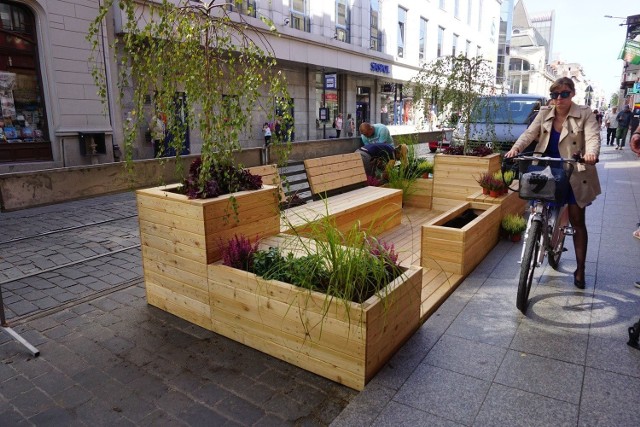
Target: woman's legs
point(580, 238)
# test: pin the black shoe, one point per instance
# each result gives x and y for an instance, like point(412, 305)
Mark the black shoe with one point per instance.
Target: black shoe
point(580, 284)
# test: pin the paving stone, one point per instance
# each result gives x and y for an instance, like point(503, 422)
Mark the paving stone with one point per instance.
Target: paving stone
point(509, 407)
point(32, 402)
point(240, 410)
point(398, 415)
point(540, 375)
point(444, 393)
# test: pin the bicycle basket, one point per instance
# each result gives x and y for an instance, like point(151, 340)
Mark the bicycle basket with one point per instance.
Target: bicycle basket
point(543, 182)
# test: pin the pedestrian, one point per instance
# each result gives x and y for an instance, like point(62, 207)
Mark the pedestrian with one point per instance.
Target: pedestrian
point(598, 115)
point(338, 125)
point(380, 156)
point(611, 123)
point(266, 129)
point(624, 120)
point(157, 131)
point(351, 126)
point(565, 130)
point(374, 134)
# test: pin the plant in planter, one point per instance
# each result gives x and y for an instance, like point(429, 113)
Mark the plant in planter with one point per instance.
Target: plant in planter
point(513, 225)
point(506, 179)
point(204, 70)
point(485, 180)
point(496, 186)
point(454, 84)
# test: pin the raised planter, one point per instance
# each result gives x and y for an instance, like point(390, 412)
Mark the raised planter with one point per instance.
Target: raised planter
point(344, 341)
point(510, 203)
point(420, 194)
point(454, 177)
point(179, 237)
point(460, 250)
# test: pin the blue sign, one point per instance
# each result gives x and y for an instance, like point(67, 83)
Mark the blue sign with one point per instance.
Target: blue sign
point(379, 68)
point(330, 81)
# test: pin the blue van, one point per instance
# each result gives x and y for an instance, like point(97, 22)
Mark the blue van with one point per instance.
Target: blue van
point(498, 121)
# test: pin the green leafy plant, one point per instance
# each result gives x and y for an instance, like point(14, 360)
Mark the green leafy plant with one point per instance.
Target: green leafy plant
point(507, 177)
point(513, 224)
point(454, 84)
point(224, 66)
point(402, 175)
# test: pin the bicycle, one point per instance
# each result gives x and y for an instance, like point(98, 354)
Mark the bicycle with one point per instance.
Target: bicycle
point(548, 222)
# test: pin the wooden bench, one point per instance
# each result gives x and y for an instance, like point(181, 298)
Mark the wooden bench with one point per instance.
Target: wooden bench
point(339, 188)
point(270, 176)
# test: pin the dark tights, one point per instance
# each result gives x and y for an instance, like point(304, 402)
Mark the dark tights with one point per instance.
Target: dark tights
point(580, 238)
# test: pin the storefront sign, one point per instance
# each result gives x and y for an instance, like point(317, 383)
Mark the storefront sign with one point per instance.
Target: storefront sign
point(379, 68)
point(331, 97)
point(330, 81)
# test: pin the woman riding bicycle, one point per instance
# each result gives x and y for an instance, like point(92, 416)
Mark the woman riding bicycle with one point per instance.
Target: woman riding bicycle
point(565, 130)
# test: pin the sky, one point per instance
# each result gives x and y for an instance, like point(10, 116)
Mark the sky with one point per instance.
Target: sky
point(585, 36)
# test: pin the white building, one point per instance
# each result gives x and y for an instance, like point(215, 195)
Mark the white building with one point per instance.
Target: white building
point(54, 117)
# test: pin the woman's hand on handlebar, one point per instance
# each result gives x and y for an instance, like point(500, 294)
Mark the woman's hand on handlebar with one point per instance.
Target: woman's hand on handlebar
point(511, 153)
point(590, 159)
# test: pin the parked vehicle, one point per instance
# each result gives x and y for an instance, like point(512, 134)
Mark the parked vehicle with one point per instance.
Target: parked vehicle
point(442, 143)
point(498, 121)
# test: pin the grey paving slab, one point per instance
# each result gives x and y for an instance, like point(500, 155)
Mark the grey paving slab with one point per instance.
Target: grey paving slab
point(539, 375)
point(609, 399)
point(444, 393)
point(397, 414)
point(510, 407)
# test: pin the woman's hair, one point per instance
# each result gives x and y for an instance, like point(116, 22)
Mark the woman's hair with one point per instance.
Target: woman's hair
point(563, 81)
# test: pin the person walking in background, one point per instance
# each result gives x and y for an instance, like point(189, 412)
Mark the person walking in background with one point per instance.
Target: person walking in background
point(266, 129)
point(598, 115)
point(611, 122)
point(564, 130)
point(351, 126)
point(338, 125)
point(624, 120)
point(373, 134)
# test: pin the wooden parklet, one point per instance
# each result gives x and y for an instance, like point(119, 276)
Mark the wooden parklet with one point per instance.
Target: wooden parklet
point(179, 237)
point(344, 341)
point(420, 194)
point(460, 250)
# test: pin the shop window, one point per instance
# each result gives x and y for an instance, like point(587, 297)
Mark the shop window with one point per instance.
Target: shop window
point(24, 119)
point(244, 7)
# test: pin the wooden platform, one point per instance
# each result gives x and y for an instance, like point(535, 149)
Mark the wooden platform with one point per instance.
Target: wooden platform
point(436, 284)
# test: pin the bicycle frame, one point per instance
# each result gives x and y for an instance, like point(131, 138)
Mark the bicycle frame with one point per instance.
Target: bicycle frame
point(546, 213)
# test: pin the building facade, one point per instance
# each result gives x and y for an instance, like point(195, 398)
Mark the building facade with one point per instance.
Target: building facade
point(350, 56)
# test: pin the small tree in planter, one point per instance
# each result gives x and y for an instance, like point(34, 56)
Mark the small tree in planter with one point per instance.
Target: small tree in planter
point(454, 84)
point(223, 64)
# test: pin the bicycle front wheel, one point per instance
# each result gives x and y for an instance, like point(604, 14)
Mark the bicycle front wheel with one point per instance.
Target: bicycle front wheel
point(528, 266)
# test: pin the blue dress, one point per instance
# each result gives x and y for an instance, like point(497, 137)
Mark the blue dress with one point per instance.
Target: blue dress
point(553, 151)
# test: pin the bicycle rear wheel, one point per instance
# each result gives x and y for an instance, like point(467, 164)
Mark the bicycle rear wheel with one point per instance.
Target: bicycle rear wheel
point(528, 266)
point(557, 237)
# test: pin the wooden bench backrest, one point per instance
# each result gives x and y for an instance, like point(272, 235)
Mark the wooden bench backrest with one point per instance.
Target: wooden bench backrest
point(270, 176)
point(334, 174)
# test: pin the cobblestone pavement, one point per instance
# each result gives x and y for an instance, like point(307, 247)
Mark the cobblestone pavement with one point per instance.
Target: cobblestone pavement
point(71, 280)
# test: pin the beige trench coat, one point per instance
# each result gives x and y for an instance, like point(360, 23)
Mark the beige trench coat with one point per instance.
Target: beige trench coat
point(580, 133)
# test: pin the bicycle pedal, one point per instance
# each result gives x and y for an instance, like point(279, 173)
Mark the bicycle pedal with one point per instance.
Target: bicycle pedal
point(568, 231)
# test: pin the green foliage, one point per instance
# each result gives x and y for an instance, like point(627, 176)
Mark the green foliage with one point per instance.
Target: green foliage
point(507, 177)
point(454, 84)
point(402, 175)
point(513, 224)
point(224, 65)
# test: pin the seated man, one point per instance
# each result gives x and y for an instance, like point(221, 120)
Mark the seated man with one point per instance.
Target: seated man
point(373, 134)
point(380, 155)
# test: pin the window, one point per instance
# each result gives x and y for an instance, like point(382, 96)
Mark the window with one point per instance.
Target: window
point(469, 4)
point(24, 119)
point(375, 41)
point(423, 39)
point(245, 7)
point(456, 8)
point(343, 18)
point(300, 15)
point(454, 44)
point(402, 19)
point(443, 4)
point(440, 41)
point(479, 15)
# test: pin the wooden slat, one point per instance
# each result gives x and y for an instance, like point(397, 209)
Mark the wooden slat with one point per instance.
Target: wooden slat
point(333, 172)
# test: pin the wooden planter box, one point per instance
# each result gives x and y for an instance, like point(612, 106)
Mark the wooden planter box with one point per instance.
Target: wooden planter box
point(460, 250)
point(420, 194)
point(454, 178)
point(179, 237)
point(343, 341)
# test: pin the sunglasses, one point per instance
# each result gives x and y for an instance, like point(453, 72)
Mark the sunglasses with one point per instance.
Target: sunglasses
point(564, 94)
